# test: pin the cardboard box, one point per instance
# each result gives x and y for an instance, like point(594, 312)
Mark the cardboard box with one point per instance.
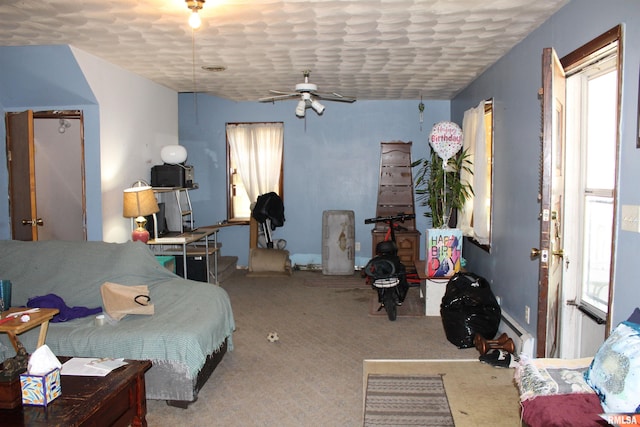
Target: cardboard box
point(434, 291)
point(40, 390)
point(444, 252)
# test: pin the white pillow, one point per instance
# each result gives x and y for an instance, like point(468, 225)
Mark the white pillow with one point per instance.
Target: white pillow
point(614, 372)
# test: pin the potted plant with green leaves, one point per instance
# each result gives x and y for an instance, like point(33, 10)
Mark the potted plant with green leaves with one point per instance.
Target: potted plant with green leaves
point(442, 190)
point(439, 185)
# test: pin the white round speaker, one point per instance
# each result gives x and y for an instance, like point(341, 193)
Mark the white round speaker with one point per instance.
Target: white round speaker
point(173, 154)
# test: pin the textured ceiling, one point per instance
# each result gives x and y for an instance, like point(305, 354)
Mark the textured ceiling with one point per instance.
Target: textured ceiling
point(369, 49)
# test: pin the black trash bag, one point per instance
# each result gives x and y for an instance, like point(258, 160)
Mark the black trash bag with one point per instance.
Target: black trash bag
point(469, 308)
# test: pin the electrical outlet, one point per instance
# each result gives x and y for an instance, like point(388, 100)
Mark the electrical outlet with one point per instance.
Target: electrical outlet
point(357, 246)
point(527, 314)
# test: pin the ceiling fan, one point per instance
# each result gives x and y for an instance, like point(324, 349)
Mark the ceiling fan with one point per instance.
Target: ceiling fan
point(308, 94)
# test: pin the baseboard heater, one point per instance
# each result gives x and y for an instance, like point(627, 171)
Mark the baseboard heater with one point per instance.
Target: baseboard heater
point(522, 339)
point(308, 267)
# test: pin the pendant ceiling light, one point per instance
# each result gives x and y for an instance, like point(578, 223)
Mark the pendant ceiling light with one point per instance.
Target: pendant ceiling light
point(195, 6)
point(194, 23)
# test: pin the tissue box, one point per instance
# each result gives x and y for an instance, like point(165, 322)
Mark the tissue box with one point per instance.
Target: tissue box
point(40, 390)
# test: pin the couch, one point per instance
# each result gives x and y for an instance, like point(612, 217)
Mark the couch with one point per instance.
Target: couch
point(184, 339)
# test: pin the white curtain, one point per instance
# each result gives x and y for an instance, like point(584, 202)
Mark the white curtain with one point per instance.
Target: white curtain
point(473, 220)
point(257, 147)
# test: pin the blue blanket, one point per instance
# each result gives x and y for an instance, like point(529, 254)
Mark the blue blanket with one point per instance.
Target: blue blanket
point(192, 319)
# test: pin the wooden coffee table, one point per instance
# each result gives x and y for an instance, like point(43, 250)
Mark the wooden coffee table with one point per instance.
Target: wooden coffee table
point(117, 399)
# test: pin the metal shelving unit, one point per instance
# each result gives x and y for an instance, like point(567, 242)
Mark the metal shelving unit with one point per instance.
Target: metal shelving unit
point(183, 203)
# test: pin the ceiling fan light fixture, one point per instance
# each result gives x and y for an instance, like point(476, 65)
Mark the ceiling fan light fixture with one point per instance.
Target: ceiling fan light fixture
point(64, 124)
point(307, 96)
point(319, 108)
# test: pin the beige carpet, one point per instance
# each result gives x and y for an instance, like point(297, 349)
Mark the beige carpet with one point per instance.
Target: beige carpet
point(349, 281)
point(312, 376)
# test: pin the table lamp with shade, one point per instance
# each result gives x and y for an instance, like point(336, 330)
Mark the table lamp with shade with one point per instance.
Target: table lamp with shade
point(138, 202)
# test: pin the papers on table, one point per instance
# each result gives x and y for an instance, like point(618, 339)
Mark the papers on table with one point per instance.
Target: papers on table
point(170, 240)
point(90, 366)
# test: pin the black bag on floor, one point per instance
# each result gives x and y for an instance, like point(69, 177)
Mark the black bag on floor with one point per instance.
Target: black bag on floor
point(469, 307)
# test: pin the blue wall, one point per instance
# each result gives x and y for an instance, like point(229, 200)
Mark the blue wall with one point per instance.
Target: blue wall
point(331, 162)
point(44, 78)
point(513, 82)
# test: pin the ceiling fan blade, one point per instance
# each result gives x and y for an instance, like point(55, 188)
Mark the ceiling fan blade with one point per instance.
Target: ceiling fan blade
point(279, 97)
point(334, 97)
point(279, 92)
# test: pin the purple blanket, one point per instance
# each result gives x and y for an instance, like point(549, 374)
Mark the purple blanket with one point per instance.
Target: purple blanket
point(66, 313)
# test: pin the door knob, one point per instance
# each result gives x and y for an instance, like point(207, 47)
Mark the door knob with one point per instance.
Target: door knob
point(33, 222)
point(543, 254)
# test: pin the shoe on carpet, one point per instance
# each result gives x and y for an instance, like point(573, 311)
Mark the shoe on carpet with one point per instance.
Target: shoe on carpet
point(499, 359)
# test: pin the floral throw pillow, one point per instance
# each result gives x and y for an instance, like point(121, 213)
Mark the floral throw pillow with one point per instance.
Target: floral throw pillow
point(614, 373)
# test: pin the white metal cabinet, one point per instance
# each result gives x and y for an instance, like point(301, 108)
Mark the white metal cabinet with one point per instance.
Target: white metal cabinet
point(338, 242)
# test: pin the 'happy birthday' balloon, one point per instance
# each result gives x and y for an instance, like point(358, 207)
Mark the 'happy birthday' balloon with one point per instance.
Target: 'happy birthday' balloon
point(446, 140)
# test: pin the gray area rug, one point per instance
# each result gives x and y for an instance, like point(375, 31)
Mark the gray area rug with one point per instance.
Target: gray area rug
point(406, 400)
